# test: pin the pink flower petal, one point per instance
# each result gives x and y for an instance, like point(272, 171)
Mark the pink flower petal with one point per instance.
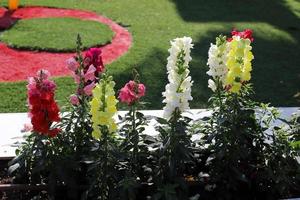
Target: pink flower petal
point(72, 64)
point(90, 74)
point(89, 88)
point(74, 100)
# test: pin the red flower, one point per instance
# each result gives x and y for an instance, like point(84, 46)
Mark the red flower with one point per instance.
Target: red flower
point(246, 34)
point(132, 92)
point(43, 108)
point(93, 57)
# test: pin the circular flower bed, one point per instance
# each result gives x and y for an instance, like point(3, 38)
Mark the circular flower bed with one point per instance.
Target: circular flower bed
point(56, 34)
point(18, 65)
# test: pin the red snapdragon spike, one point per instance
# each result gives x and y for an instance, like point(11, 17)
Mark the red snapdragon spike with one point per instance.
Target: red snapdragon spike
point(246, 34)
point(43, 108)
point(93, 57)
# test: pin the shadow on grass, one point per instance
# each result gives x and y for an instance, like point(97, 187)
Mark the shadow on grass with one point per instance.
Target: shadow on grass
point(153, 73)
point(276, 74)
point(273, 12)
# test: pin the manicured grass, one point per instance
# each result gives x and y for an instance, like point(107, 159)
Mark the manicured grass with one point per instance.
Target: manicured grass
point(56, 34)
point(276, 25)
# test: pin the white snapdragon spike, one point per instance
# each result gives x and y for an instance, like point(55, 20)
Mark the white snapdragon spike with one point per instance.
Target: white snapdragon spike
point(217, 58)
point(178, 91)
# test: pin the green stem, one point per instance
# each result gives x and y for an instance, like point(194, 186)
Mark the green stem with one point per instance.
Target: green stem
point(173, 143)
point(105, 144)
point(219, 86)
point(105, 167)
point(135, 135)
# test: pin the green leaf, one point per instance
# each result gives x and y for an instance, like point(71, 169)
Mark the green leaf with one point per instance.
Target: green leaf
point(295, 144)
point(161, 120)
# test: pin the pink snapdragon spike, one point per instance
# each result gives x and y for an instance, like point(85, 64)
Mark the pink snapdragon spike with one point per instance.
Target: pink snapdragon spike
point(72, 64)
point(77, 77)
point(246, 34)
point(142, 90)
point(74, 100)
point(89, 88)
point(92, 66)
point(132, 92)
point(90, 74)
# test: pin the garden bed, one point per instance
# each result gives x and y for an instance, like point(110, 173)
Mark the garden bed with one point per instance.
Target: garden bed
point(233, 151)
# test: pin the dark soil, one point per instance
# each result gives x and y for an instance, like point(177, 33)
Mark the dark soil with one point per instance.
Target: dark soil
point(4, 179)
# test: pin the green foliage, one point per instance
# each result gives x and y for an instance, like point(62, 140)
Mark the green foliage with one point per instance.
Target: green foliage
point(55, 34)
point(175, 158)
point(154, 23)
point(248, 158)
point(294, 133)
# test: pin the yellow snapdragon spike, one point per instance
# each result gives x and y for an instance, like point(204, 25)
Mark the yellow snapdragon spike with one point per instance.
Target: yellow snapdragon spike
point(103, 120)
point(97, 92)
point(112, 109)
point(236, 87)
point(236, 70)
point(246, 76)
point(239, 52)
point(113, 127)
point(103, 107)
point(238, 63)
point(96, 133)
point(229, 78)
point(249, 56)
point(247, 66)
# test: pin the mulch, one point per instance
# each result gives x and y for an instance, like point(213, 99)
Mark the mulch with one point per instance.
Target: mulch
point(18, 65)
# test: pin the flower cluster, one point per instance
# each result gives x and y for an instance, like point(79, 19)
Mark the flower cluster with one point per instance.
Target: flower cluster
point(103, 107)
point(217, 57)
point(238, 63)
point(86, 73)
point(132, 92)
point(93, 57)
point(230, 61)
point(178, 91)
point(43, 108)
point(246, 34)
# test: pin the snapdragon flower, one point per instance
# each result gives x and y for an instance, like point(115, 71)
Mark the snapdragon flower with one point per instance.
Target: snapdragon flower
point(178, 91)
point(238, 63)
point(103, 107)
point(43, 109)
point(217, 58)
point(132, 92)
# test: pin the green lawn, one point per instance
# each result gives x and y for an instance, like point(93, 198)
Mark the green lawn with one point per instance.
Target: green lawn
point(56, 34)
point(276, 25)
